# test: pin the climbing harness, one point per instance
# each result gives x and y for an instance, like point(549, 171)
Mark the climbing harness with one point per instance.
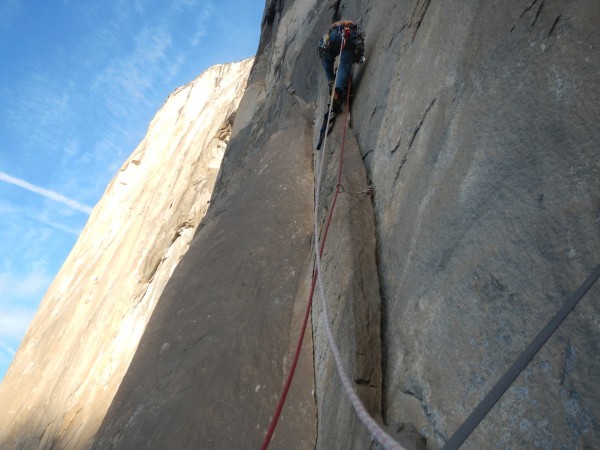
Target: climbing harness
point(351, 32)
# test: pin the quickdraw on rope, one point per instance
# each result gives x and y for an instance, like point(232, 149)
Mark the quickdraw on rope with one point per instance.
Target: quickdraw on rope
point(368, 190)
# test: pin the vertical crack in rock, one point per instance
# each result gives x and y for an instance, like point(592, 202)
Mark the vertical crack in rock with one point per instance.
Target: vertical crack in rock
point(537, 12)
point(554, 25)
point(528, 8)
point(417, 16)
point(412, 139)
point(537, 15)
point(274, 8)
point(418, 127)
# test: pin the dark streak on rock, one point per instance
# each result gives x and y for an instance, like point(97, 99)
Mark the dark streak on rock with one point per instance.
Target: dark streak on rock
point(553, 25)
point(418, 127)
point(568, 363)
point(400, 167)
point(412, 139)
point(418, 14)
point(373, 113)
point(398, 33)
point(537, 15)
point(528, 8)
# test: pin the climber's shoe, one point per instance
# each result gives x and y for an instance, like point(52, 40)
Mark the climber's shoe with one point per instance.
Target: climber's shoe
point(336, 107)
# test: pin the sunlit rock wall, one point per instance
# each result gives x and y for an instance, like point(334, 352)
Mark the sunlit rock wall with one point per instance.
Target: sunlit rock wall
point(88, 327)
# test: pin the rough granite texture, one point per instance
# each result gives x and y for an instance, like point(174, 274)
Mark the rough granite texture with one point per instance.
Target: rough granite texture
point(478, 125)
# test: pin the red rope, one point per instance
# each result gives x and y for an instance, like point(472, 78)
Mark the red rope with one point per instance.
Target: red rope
point(290, 376)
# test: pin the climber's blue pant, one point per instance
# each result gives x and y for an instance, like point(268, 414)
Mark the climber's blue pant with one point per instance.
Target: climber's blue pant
point(346, 60)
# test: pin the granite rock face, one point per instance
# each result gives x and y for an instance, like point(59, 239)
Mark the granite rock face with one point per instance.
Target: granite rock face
point(477, 124)
point(79, 346)
point(480, 145)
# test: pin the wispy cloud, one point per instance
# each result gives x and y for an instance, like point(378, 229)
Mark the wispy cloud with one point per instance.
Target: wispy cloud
point(14, 287)
point(127, 80)
point(7, 353)
point(7, 349)
point(14, 322)
point(47, 193)
point(57, 226)
point(203, 17)
point(16, 308)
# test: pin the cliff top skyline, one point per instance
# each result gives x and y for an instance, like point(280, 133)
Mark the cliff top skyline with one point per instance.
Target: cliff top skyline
point(80, 86)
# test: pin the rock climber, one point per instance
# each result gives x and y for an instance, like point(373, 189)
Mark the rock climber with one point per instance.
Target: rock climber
point(353, 51)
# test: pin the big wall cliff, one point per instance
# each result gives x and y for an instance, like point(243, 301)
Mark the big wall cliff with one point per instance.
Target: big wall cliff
point(79, 346)
point(477, 124)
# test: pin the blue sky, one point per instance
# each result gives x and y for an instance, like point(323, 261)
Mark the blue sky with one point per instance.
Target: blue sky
point(79, 83)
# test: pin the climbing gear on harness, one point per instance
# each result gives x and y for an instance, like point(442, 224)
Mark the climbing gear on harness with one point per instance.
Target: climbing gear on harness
point(358, 40)
point(323, 47)
point(353, 35)
point(342, 25)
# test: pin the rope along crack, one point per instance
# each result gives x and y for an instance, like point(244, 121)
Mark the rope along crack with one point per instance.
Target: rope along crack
point(379, 434)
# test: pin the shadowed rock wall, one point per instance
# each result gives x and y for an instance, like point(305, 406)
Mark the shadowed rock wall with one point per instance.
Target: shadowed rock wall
point(211, 364)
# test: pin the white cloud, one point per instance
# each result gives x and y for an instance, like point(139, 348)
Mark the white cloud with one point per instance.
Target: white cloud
point(7, 208)
point(47, 193)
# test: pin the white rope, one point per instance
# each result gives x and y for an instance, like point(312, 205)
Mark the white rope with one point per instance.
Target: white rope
point(376, 431)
